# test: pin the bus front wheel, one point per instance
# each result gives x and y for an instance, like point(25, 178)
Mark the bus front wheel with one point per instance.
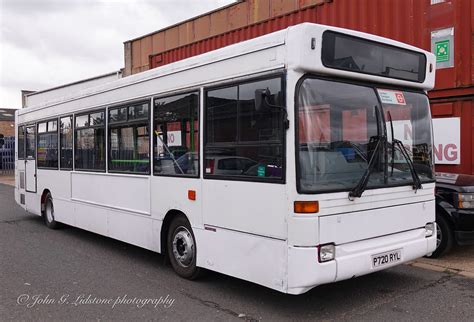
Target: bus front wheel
point(48, 213)
point(444, 237)
point(181, 246)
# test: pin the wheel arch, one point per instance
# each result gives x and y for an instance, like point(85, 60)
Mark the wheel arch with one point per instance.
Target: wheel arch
point(43, 199)
point(170, 215)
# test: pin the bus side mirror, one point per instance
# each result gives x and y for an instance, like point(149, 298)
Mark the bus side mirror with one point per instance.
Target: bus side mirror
point(2, 140)
point(261, 98)
point(261, 103)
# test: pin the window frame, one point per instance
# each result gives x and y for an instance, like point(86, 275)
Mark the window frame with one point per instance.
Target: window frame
point(124, 124)
point(59, 141)
point(178, 93)
point(104, 110)
point(32, 125)
point(369, 84)
point(283, 144)
point(23, 127)
point(46, 121)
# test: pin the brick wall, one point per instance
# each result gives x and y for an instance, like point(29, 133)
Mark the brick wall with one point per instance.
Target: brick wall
point(7, 128)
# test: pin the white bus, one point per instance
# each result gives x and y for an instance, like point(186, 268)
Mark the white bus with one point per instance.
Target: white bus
point(292, 160)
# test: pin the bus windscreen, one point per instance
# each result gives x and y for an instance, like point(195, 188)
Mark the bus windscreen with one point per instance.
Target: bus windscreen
point(359, 55)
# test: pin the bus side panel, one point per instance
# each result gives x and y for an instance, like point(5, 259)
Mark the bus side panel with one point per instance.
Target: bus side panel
point(117, 206)
point(64, 211)
point(91, 218)
point(171, 193)
point(20, 183)
point(122, 192)
point(134, 229)
point(249, 257)
point(19, 172)
point(33, 203)
point(253, 207)
point(18, 197)
point(59, 185)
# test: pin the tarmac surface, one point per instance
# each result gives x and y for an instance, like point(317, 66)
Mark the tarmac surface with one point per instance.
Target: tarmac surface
point(72, 274)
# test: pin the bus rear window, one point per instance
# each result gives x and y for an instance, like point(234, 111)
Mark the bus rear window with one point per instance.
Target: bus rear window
point(368, 57)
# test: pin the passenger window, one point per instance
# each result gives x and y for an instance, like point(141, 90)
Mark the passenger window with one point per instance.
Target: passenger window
point(66, 142)
point(21, 142)
point(82, 120)
point(129, 139)
point(176, 135)
point(118, 114)
point(263, 125)
point(30, 149)
point(52, 126)
point(90, 142)
point(223, 112)
point(241, 140)
point(48, 145)
point(42, 127)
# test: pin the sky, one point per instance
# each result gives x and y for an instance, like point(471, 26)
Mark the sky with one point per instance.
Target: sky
point(46, 43)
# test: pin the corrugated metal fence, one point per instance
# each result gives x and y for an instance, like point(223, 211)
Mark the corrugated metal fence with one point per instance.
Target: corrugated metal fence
point(7, 157)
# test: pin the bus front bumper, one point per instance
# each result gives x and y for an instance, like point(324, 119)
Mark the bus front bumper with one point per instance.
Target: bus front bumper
point(354, 259)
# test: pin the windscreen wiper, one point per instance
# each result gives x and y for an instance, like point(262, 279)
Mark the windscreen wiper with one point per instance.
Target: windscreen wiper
point(416, 179)
point(357, 191)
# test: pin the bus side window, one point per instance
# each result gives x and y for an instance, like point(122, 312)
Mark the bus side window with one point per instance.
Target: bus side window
point(66, 144)
point(129, 145)
point(48, 145)
point(30, 150)
point(241, 140)
point(176, 135)
point(90, 141)
point(21, 142)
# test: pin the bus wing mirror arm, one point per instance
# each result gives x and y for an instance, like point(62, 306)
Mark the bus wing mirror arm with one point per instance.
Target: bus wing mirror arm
point(261, 102)
point(261, 99)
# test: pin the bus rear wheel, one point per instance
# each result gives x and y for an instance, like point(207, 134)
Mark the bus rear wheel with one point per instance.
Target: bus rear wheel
point(181, 247)
point(48, 213)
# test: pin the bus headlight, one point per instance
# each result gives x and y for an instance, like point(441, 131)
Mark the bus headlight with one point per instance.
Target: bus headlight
point(326, 253)
point(466, 200)
point(429, 229)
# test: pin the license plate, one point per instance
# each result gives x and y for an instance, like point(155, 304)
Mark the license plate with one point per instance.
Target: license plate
point(386, 258)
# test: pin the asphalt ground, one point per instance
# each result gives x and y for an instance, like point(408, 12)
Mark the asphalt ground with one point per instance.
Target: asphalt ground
point(72, 274)
point(459, 260)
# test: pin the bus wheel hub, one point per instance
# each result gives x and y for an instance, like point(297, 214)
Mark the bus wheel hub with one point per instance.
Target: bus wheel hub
point(183, 247)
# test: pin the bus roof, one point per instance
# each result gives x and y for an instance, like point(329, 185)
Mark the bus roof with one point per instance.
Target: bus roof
point(291, 38)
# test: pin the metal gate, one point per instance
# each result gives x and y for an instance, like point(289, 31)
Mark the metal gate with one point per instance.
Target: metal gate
point(7, 156)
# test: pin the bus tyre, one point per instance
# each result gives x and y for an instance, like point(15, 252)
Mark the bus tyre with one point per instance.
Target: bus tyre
point(444, 237)
point(181, 246)
point(48, 213)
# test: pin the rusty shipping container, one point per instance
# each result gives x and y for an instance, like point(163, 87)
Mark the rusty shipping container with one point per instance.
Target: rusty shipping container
point(462, 108)
point(429, 24)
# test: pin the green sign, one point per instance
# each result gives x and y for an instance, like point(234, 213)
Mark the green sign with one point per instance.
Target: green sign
point(261, 171)
point(442, 51)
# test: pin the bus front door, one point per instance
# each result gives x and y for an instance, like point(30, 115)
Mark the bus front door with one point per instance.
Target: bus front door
point(30, 159)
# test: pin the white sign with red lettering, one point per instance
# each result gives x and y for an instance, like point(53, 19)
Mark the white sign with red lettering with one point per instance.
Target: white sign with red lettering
point(391, 97)
point(447, 140)
point(174, 138)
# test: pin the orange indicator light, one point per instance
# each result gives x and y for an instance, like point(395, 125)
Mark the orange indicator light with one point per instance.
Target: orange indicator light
point(306, 207)
point(191, 194)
